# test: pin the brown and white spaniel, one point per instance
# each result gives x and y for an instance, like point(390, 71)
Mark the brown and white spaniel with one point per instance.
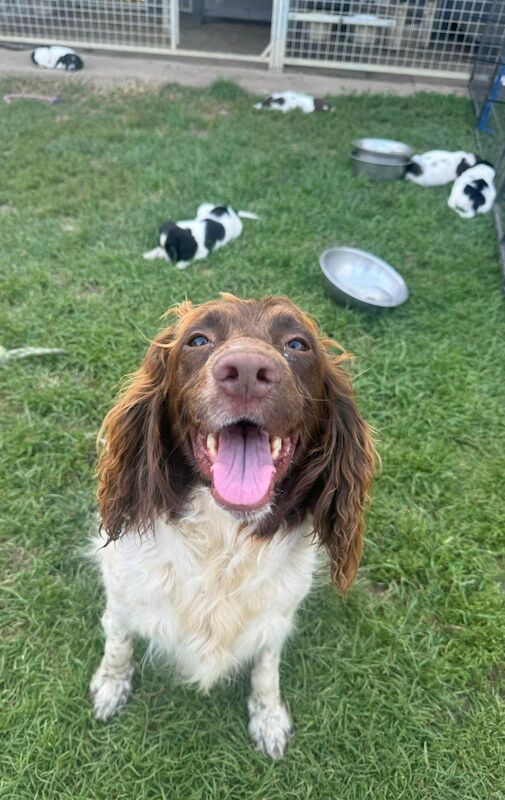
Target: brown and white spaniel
point(235, 450)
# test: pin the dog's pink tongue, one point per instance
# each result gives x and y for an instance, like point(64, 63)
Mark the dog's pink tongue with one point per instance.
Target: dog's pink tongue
point(242, 472)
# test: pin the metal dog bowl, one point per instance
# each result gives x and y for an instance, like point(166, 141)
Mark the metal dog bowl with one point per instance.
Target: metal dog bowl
point(384, 148)
point(383, 169)
point(380, 159)
point(360, 279)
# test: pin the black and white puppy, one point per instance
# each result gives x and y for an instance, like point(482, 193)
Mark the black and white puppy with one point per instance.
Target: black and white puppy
point(437, 167)
point(57, 57)
point(194, 239)
point(289, 101)
point(473, 192)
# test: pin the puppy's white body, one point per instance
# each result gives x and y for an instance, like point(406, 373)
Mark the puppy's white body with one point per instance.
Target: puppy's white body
point(289, 101)
point(211, 598)
point(438, 167)
point(49, 56)
point(232, 223)
point(473, 192)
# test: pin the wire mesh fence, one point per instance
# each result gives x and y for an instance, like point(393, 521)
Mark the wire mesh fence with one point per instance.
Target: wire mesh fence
point(438, 36)
point(487, 89)
point(115, 23)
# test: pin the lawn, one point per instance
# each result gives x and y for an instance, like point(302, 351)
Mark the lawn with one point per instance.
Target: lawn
point(396, 691)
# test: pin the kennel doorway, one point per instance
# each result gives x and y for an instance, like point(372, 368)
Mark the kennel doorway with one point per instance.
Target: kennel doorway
point(220, 29)
point(226, 29)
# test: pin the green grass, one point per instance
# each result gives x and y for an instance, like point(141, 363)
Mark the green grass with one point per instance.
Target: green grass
point(397, 691)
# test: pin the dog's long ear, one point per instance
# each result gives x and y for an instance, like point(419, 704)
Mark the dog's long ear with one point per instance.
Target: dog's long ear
point(180, 243)
point(141, 470)
point(462, 167)
point(345, 459)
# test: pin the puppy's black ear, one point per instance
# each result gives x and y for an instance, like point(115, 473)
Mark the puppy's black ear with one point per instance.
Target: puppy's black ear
point(170, 244)
point(414, 168)
point(462, 167)
point(171, 252)
point(184, 242)
point(486, 163)
point(180, 244)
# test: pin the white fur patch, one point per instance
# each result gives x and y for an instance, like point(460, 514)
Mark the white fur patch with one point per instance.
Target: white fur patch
point(438, 167)
point(204, 593)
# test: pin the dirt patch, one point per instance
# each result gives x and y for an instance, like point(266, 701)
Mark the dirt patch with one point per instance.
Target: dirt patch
point(90, 289)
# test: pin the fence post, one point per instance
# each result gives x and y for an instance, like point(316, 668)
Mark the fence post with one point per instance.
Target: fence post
point(280, 12)
point(174, 24)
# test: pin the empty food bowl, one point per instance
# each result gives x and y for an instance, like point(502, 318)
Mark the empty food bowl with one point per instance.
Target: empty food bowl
point(386, 148)
point(380, 159)
point(356, 278)
point(385, 169)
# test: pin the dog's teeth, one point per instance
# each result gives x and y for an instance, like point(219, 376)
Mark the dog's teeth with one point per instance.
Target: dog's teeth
point(212, 445)
point(276, 447)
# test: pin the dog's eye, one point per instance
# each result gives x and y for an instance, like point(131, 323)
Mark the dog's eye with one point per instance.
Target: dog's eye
point(198, 341)
point(297, 344)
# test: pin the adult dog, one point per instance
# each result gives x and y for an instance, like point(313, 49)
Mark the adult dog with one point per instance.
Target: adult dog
point(235, 451)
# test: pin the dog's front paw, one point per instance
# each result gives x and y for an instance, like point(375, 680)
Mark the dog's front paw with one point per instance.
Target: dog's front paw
point(109, 692)
point(270, 729)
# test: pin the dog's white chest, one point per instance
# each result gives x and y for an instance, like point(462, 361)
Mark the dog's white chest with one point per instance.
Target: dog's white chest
point(205, 593)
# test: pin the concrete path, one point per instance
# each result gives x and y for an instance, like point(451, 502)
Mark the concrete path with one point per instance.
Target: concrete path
point(105, 70)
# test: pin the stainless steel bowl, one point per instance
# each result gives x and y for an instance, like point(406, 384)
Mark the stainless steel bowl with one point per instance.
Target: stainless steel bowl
point(377, 158)
point(360, 279)
point(384, 148)
point(378, 169)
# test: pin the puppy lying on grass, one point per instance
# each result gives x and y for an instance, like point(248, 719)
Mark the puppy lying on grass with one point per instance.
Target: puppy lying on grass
point(289, 101)
point(473, 192)
point(438, 167)
point(192, 240)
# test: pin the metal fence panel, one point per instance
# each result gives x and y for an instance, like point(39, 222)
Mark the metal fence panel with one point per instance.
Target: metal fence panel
point(489, 57)
point(117, 24)
point(406, 36)
point(487, 89)
point(420, 37)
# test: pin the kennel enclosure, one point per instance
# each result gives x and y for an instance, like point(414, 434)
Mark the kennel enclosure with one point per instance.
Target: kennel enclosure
point(435, 38)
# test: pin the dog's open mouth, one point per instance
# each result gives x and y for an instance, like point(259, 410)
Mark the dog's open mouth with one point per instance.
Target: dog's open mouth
point(244, 463)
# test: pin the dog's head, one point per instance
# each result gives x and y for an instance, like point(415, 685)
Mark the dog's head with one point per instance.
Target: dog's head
point(321, 105)
point(248, 398)
point(179, 243)
point(71, 62)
